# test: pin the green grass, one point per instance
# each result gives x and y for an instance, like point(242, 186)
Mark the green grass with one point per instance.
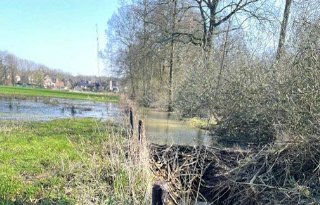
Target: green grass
point(33, 155)
point(69, 161)
point(36, 92)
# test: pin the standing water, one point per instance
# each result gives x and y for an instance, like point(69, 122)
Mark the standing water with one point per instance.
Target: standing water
point(167, 129)
point(161, 127)
point(43, 109)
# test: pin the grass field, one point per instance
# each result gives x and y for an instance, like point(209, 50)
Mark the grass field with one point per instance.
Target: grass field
point(70, 161)
point(36, 92)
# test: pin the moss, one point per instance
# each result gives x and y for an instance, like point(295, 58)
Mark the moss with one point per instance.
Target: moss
point(205, 124)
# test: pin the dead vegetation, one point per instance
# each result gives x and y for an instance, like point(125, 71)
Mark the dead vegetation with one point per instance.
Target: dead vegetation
point(279, 174)
point(116, 172)
point(191, 172)
point(112, 175)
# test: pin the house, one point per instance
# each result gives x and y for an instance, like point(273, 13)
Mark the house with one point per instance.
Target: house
point(53, 83)
point(48, 82)
point(77, 88)
point(59, 84)
point(68, 84)
point(113, 86)
point(31, 80)
point(83, 85)
point(18, 79)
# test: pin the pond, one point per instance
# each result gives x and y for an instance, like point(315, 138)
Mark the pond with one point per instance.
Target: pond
point(161, 127)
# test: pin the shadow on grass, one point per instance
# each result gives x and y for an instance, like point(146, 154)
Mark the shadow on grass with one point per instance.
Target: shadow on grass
point(61, 201)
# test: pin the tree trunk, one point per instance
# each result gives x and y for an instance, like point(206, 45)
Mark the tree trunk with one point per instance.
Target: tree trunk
point(133, 94)
point(145, 13)
point(283, 30)
point(12, 75)
point(209, 35)
point(224, 53)
point(174, 14)
point(132, 76)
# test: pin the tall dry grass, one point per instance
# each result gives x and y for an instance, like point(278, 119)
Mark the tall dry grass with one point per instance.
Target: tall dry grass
point(116, 172)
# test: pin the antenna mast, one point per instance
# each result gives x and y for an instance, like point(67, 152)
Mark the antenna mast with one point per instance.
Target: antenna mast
point(98, 66)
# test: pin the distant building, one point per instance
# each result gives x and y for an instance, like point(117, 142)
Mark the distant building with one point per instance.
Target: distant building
point(77, 88)
point(113, 86)
point(18, 79)
point(68, 84)
point(59, 84)
point(53, 83)
point(83, 85)
point(48, 82)
point(30, 80)
point(110, 85)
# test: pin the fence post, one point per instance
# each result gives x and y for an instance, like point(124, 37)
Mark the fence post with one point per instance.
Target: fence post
point(141, 131)
point(160, 194)
point(131, 120)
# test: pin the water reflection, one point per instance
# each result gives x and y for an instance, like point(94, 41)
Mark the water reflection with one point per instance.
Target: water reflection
point(73, 111)
point(167, 128)
point(10, 106)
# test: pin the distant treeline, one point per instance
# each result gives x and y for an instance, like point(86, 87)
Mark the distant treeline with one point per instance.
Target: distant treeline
point(17, 71)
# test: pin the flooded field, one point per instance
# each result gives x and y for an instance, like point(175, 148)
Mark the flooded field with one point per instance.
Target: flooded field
point(161, 127)
point(44, 109)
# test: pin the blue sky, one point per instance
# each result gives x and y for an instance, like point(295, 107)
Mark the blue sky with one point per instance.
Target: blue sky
point(58, 33)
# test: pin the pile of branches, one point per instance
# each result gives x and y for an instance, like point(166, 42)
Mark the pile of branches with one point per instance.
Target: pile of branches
point(190, 171)
point(281, 174)
point(278, 174)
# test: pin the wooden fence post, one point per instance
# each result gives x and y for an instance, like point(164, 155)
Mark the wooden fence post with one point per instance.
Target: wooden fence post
point(160, 194)
point(131, 120)
point(141, 131)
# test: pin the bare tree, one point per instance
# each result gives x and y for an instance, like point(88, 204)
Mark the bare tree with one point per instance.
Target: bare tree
point(173, 29)
point(216, 12)
point(283, 30)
